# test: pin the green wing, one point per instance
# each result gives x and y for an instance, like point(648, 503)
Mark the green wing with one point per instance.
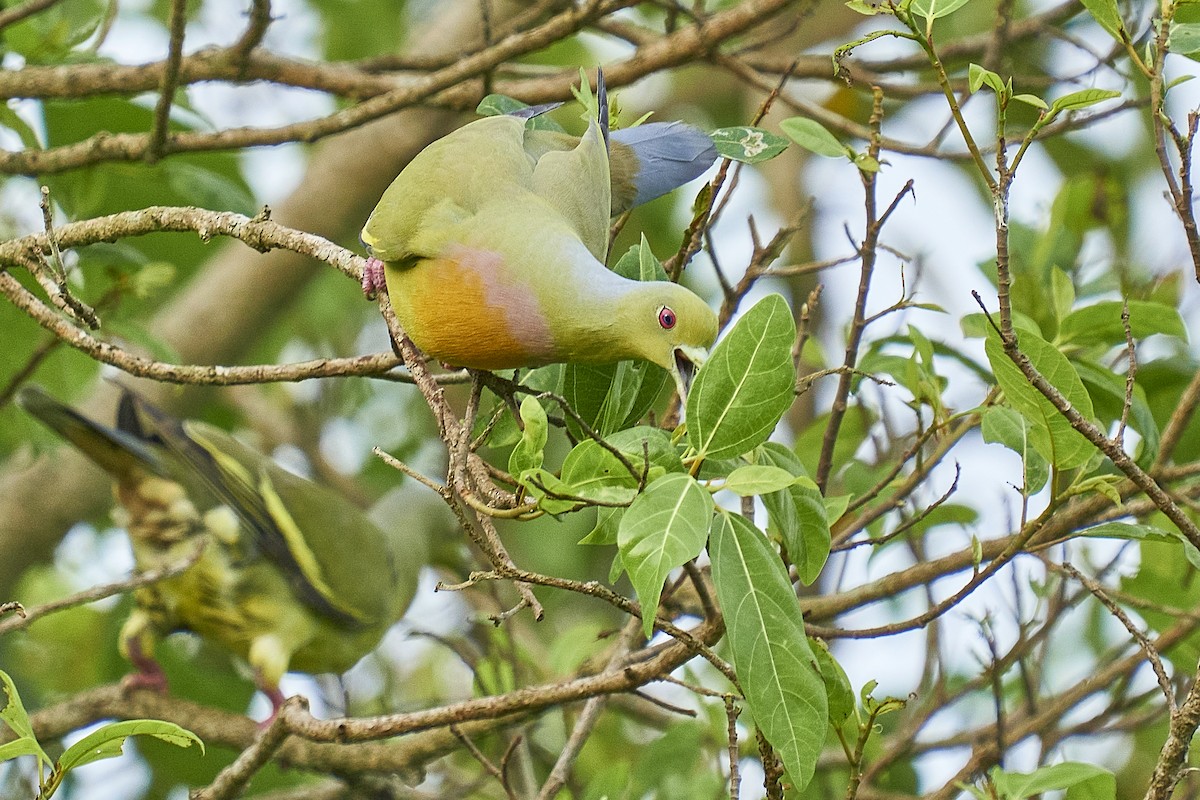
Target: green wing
point(446, 183)
point(576, 183)
point(314, 536)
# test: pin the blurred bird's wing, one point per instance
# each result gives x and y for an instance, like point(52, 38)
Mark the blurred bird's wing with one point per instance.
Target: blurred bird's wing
point(245, 481)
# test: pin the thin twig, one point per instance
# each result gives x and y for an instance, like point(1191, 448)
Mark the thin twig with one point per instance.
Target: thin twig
point(1152, 656)
point(170, 82)
point(29, 616)
point(11, 16)
point(233, 779)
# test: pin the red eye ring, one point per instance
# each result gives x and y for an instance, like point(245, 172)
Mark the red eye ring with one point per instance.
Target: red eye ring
point(666, 317)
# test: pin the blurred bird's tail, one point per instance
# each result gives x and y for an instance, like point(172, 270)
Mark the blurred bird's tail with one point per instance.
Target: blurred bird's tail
point(116, 451)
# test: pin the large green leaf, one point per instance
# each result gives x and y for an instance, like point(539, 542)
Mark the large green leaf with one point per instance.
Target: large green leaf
point(1107, 389)
point(1082, 781)
point(747, 384)
point(1006, 427)
point(662, 529)
point(108, 741)
point(775, 665)
point(936, 9)
point(1101, 323)
point(1108, 15)
point(1051, 433)
point(797, 515)
point(593, 472)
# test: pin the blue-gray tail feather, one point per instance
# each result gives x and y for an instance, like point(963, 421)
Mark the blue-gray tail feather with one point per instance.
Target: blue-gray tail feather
point(669, 154)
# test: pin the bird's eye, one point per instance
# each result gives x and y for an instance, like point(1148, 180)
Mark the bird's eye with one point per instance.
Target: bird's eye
point(666, 317)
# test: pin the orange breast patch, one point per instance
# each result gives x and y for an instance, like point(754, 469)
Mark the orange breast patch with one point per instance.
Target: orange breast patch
point(460, 309)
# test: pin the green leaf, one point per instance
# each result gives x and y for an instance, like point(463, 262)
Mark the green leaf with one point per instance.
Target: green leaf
point(1141, 532)
point(1100, 323)
point(748, 145)
point(497, 105)
point(1108, 392)
point(1051, 434)
point(1082, 781)
point(1108, 15)
point(22, 747)
point(592, 472)
point(14, 122)
point(662, 529)
point(635, 442)
point(813, 136)
point(1062, 293)
point(604, 395)
point(108, 741)
point(936, 9)
point(550, 493)
point(1184, 38)
point(13, 713)
point(47, 37)
point(608, 519)
point(1032, 100)
point(868, 8)
point(583, 96)
point(1105, 485)
point(747, 384)
point(837, 683)
point(977, 77)
point(529, 452)
point(836, 506)
point(753, 479)
point(1081, 99)
point(798, 515)
point(1007, 427)
point(1130, 531)
point(209, 188)
point(775, 665)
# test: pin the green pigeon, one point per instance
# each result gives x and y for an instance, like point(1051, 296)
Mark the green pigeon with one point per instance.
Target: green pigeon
point(493, 241)
point(292, 576)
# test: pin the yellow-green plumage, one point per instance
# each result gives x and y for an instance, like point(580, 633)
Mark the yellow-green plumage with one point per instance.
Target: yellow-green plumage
point(292, 576)
point(494, 238)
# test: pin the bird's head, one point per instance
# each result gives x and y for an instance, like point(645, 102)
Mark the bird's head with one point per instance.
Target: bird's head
point(672, 327)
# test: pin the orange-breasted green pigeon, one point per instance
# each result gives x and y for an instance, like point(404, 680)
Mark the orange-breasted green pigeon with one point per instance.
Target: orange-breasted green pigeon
point(493, 241)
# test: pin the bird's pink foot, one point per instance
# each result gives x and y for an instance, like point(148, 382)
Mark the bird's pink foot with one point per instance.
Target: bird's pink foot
point(373, 280)
point(277, 700)
point(149, 674)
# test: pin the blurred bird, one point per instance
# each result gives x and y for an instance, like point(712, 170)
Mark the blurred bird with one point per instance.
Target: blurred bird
point(493, 241)
point(292, 575)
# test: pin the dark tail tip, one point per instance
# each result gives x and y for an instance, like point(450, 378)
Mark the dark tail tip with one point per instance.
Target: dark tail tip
point(602, 104)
